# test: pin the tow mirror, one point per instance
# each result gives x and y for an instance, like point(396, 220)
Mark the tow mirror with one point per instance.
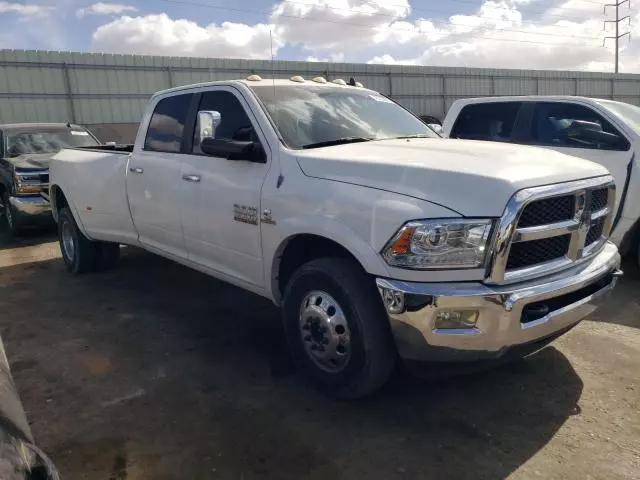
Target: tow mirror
point(233, 149)
point(208, 121)
point(591, 131)
point(436, 127)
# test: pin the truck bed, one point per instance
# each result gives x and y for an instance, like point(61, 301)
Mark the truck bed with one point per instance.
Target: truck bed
point(94, 180)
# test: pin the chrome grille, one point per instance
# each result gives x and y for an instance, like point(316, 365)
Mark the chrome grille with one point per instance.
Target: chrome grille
point(524, 254)
point(546, 229)
point(548, 210)
point(599, 199)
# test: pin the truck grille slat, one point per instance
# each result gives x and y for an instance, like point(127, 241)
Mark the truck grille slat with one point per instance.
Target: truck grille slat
point(526, 254)
point(548, 210)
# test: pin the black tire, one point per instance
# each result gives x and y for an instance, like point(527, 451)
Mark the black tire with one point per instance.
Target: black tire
point(109, 255)
point(9, 225)
point(85, 255)
point(372, 352)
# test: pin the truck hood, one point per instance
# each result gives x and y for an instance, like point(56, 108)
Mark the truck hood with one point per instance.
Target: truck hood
point(470, 177)
point(30, 161)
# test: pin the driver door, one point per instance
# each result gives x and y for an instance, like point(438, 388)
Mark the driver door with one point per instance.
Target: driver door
point(221, 196)
point(549, 121)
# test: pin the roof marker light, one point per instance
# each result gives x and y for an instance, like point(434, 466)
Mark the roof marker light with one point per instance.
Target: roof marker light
point(319, 80)
point(254, 78)
point(339, 81)
point(297, 78)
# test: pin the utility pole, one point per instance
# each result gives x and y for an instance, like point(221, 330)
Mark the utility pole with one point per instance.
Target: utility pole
point(617, 21)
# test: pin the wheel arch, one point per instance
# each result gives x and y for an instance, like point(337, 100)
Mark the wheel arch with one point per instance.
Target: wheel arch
point(59, 200)
point(299, 248)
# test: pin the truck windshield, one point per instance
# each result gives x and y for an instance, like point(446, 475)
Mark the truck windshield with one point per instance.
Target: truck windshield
point(629, 113)
point(47, 141)
point(316, 116)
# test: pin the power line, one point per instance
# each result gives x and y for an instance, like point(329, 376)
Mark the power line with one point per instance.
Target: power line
point(617, 21)
point(390, 27)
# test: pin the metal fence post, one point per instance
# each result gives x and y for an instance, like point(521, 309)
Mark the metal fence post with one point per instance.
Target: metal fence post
point(69, 94)
point(390, 84)
point(613, 88)
point(170, 76)
point(443, 78)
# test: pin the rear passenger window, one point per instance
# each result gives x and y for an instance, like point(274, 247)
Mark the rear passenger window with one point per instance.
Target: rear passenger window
point(486, 121)
point(553, 122)
point(167, 124)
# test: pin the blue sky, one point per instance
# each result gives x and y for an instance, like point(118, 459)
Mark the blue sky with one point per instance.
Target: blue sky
point(562, 34)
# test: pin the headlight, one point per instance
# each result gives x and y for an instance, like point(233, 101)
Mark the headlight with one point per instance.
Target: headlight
point(431, 244)
point(27, 182)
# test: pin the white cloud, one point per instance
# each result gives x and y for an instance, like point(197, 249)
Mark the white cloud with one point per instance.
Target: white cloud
point(161, 35)
point(330, 24)
point(333, 57)
point(105, 9)
point(549, 34)
point(23, 9)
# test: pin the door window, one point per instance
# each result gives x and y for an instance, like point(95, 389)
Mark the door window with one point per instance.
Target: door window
point(167, 124)
point(487, 121)
point(553, 123)
point(235, 124)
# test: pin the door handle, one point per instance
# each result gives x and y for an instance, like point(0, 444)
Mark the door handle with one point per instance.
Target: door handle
point(137, 170)
point(191, 178)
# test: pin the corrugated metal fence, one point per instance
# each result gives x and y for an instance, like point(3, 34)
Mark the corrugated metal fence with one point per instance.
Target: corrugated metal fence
point(98, 89)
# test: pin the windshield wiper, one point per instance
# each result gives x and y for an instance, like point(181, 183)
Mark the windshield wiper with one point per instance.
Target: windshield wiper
point(337, 141)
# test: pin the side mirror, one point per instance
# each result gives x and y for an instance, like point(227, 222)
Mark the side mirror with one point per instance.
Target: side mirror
point(208, 121)
point(591, 131)
point(233, 149)
point(436, 127)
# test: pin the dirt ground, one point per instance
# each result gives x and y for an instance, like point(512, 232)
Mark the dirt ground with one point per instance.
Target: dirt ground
point(153, 371)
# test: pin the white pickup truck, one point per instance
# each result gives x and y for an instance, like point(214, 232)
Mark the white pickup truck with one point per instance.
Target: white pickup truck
point(374, 235)
point(603, 131)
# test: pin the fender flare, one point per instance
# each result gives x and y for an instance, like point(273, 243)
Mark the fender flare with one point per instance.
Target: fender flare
point(329, 229)
point(53, 189)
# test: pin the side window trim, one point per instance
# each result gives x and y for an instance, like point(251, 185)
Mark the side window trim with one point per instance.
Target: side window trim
point(521, 132)
point(190, 124)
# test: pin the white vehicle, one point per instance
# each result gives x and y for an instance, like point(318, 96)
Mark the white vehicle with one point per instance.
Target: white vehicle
point(374, 235)
point(603, 131)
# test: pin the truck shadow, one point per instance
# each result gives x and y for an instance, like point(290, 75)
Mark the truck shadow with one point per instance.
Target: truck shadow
point(29, 237)
point(192, 377)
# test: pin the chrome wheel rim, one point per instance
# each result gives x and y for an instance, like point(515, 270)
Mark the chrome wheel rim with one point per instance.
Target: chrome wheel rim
point(68, 240)
point(324, 331)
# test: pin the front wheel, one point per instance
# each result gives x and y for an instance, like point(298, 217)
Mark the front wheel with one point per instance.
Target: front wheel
point(338, 329)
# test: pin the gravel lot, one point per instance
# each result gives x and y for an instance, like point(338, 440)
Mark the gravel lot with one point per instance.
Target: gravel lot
point(153, 371)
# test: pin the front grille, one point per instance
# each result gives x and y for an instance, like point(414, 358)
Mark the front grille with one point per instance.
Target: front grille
point(44, 178)
point(526, 254)
point(599, 199)
point(595, 232)
point(548, 210)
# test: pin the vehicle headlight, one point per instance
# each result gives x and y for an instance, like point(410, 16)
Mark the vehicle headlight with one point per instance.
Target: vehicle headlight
point(27, 182)
point(432, 244)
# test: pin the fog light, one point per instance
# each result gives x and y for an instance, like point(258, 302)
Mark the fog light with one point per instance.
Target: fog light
point(393, 300)
point(450, 319)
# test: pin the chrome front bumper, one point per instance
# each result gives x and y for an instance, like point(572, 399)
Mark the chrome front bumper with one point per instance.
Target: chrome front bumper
point(31, 208)
point(569, 295)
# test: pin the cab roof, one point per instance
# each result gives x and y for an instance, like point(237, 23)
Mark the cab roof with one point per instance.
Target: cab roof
point(265, 82)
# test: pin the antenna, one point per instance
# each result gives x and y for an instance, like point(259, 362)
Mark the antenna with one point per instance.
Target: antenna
point(275, 104)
